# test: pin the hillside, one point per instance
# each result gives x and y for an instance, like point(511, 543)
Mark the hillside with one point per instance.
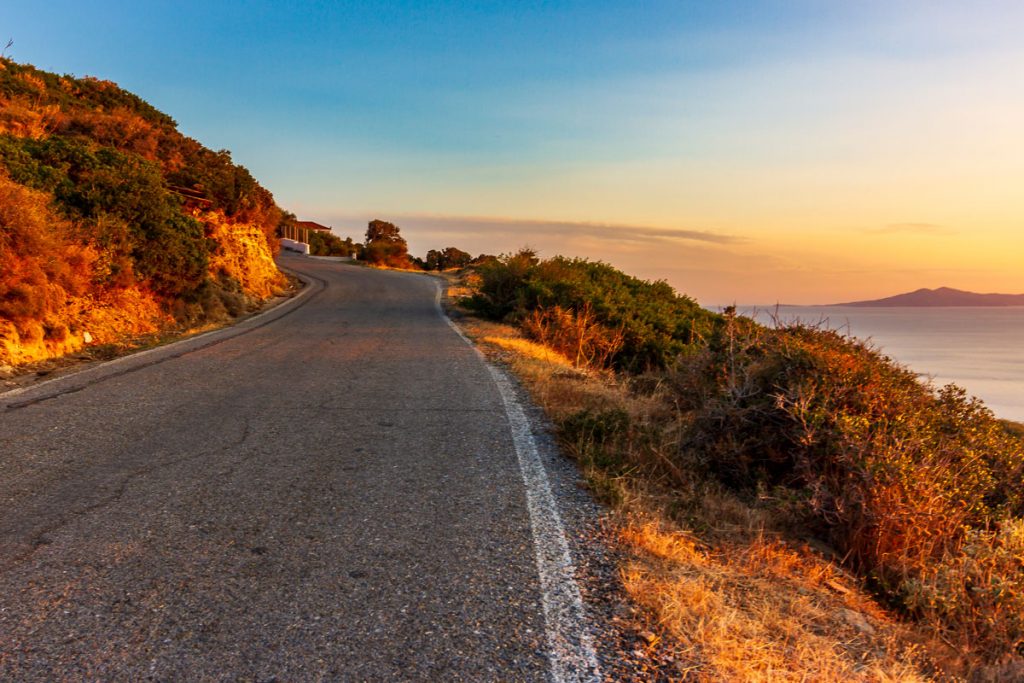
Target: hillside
point(943, 296)
point(790, 503)
point(113, 223)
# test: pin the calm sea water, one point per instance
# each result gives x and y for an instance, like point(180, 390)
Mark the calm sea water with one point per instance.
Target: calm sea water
point(981, 349)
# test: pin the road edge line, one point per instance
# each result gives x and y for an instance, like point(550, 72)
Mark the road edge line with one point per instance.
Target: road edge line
point(570, 641)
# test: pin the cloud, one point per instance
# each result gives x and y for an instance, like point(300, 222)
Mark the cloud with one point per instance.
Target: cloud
point(912, 229)
point(609, 232)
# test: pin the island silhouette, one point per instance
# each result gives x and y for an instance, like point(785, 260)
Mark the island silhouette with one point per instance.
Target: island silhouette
point(943, 296)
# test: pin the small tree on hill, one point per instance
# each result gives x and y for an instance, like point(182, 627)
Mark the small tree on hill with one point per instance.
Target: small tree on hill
point(379, 230)
point(385, 246)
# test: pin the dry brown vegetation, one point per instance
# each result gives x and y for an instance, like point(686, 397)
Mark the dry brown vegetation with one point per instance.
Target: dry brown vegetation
point(47, 299)
point(742, 582)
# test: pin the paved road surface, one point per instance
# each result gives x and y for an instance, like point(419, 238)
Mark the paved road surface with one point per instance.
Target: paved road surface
point(332, 495)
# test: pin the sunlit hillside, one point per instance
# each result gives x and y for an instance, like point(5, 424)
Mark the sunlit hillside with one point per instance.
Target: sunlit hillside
point(113, 223)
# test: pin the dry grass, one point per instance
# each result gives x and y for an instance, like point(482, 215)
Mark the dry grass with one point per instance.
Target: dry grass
point(530, 349)
point(760, 610)
point(721, 583)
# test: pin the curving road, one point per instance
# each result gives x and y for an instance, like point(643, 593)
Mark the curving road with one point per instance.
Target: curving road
point(330, 492)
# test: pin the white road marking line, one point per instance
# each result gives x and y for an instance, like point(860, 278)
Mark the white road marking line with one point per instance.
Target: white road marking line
point(570, 643)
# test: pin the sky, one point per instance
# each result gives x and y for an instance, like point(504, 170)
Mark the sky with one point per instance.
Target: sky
point(798, 152)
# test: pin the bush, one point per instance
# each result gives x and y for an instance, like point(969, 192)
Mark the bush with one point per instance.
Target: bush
point(633, 324)
point(449, 257)
point(41, 264)
point(598, 437)
point(104, 186)
point(918, 487)
point(577, 335)
point(326, 244)
point(385, 246)
point(978, 590)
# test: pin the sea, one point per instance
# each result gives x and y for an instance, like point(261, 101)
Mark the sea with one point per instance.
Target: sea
point(980, 349)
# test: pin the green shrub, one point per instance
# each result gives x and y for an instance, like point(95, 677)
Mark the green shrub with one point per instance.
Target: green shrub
point(597, 436)
point(920, 488)
point(326, 244)
point(978, 591)
point(654, 323)
point(69, 92)
point(449, 257)
point(104, 187)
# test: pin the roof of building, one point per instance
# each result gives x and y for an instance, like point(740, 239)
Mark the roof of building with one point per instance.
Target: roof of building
point(310, 225)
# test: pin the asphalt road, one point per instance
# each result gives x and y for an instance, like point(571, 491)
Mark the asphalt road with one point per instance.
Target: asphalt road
point(332, 493)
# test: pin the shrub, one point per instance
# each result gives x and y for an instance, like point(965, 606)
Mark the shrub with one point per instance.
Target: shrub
point(918, 487)
point(643, 324)
point(101, 186)
point(598, 437)
point(979, 591)
point(449, 257)
point(41, 264)
point(577, 335)
point(503, 282)
point(326, 244)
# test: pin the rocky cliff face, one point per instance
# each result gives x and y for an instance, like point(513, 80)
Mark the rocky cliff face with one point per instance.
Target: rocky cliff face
point(243, 255)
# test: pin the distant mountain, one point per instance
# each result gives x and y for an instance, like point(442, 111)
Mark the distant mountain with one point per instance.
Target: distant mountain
point(943, 296)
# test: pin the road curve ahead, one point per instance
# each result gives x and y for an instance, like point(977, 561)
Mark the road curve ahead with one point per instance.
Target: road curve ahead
point(333, 494)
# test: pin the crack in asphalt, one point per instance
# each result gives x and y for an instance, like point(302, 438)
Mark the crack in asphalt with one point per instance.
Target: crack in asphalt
point(246, 434)
point(36, 540)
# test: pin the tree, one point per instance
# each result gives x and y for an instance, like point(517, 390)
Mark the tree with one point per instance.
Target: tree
point(385, 246)
point(450, 257)
point(434, 260)
point(326, 244)
point(383, 231)
point(351, 248)
point(455, 258)
point(483, 260)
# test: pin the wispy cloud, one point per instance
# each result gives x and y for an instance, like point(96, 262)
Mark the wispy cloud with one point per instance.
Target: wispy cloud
point(913, 229)
point(610, 232)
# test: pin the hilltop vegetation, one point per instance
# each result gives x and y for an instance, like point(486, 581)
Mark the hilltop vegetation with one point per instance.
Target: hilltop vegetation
point(795, 432)
point(114, 223)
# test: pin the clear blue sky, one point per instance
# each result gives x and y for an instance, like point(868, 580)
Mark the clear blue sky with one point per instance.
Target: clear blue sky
point(797, 151)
